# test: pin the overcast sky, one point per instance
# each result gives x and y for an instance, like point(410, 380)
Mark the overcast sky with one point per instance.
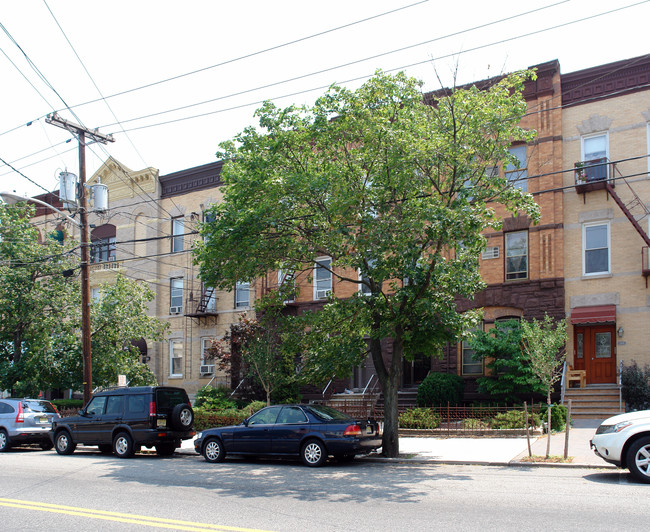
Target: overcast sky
point(60, 54)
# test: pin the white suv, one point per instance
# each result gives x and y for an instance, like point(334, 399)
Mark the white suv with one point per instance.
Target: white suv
point(624, 441)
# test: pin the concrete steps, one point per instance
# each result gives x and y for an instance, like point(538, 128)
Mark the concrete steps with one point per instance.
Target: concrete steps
point(594, 401)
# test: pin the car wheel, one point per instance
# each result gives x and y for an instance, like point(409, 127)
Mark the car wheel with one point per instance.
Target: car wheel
point(105, 448)
point(5, 444)
point(213, 451)
point(313, 453)
point(182, 417)
point(165, 449)
point(63, 443)
point(46, 445)
point(123, 445)
point(638, 459)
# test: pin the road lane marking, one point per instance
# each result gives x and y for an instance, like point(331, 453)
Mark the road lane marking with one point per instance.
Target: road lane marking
point(157, 522)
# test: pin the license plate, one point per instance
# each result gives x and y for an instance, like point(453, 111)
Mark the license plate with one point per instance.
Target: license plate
point(369, 429)
point(162, 422)
point(43, 419)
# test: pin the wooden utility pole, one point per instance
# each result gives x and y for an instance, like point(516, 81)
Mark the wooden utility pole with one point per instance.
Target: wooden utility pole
point(82, 133)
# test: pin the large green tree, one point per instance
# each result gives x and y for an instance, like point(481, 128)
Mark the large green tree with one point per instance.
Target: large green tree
point(390, 187)
point(40, 306)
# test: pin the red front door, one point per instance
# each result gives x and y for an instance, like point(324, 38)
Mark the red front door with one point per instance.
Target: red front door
point(595, 352)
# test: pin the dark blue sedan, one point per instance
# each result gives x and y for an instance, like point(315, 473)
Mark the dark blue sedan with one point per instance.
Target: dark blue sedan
point(312, 432)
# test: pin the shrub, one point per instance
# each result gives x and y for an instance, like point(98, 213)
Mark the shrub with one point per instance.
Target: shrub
point(636, 387)
point(205, 419)
point(558, 416)
point(67, 404)
point(514, 419)
point(439, 389)
point(253, 407)
point(211, 398)
point(419, 418)
point(474, 424)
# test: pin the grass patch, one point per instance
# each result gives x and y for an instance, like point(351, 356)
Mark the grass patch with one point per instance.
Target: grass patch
point(550, 460)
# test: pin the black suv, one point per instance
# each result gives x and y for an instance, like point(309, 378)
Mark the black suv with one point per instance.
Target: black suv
point(124, 419)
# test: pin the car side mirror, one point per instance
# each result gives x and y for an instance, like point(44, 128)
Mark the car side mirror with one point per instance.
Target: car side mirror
point(81, 412)
point(245, 423)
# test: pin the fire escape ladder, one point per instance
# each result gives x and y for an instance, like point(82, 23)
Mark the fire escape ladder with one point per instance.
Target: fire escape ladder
point(205, 300)
point(636, 201)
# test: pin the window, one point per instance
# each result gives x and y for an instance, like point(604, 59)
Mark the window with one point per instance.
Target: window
point(208, 297)
point(102, 243)
point(364, 288)
point(469, 365)
point(96, 294)
point(178, 229)
point(242, 294)
point(595, 238)
point(287, 284)
point(175, 358)
point(594, 151)
point(207, 363)
point(516, 255)
point(176, 295)
point(517, 174)
point(322, 278)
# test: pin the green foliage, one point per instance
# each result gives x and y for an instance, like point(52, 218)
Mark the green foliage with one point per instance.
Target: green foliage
point(439, 389)
point(205, 419)
point(390, 188)
point(474, 424)
point(511, 376)
point(514, 419)
point(211, 398)
point(419, 418)
point(66, 404)
point(636, 386)
point(558, 416)
point(40, 345)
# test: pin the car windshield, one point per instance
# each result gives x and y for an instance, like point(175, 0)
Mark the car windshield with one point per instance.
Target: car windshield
point(328, 414)
point(39, 406)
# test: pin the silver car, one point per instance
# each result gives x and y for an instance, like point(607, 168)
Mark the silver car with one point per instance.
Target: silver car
point(26, 421)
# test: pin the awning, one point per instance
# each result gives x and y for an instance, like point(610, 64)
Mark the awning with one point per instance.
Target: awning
point(601, 314)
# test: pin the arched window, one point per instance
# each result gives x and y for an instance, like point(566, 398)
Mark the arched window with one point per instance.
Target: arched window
point(102, 247)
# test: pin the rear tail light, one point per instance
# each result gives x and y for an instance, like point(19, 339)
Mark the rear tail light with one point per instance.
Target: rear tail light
point(20, 417)
point(352, 430)
point(152, 409)
point(55, 409)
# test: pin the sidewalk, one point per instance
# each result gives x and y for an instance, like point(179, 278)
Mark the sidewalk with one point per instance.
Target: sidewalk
point(491, 451)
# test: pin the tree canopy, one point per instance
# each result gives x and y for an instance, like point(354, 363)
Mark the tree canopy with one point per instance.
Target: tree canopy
point(40, 306)
point(395, 190)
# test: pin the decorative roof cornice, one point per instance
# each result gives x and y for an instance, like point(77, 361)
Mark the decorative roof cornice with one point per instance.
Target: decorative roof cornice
point(192, 179)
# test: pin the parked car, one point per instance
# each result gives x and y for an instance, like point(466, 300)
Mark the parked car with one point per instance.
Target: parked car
point(26, 421)
point(311, 432)
point(624, 441)
point(124, 419)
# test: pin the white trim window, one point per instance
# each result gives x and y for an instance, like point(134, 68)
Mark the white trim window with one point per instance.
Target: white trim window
point(322, 278)
point(176, 293)
point(596, 248)
point(517, 174)
point(242, 294)
point(516, 255)
point(207, 363)
point(595, 149)
point(469, 366)
point(286, 282)
point(176, 358)
point(211, 304)
point(178, 230)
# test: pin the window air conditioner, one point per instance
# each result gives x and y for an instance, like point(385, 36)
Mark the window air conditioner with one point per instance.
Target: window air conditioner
point(175, 310)
point(207, 369)
point(322, 294)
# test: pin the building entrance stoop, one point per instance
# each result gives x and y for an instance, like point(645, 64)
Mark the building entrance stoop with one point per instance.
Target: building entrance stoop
point(595, 401)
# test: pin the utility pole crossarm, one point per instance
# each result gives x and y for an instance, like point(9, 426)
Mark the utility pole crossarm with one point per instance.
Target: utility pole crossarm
point(91, 134)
